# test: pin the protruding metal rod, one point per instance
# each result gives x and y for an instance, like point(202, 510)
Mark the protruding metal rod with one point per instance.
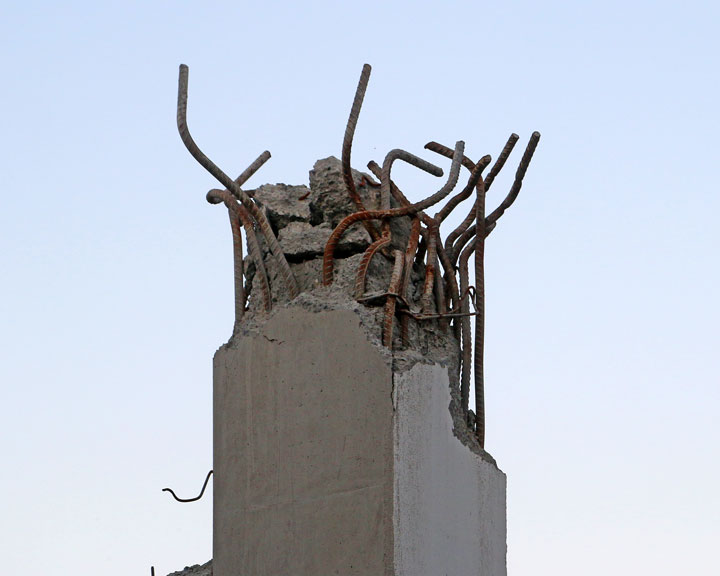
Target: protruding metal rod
point(395, 279)
point(184, 500)
point(479, 362)
point(502, 158)
point(430, 270)
point(348, 221)
point(238, 270)
point(216, 196)
point(466, 368)
point(365, 264)
point(347, 147)
point(454, 174)
point(225, 180)
point(470, 218)
point(410, 251)
point(399, 154)
point(475, 175)
point(519, 175)
point(254, 167)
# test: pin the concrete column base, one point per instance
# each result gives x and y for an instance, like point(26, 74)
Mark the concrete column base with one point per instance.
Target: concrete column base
point(328, 462)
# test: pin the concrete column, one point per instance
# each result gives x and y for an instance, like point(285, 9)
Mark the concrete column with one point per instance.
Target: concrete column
point(329, 462)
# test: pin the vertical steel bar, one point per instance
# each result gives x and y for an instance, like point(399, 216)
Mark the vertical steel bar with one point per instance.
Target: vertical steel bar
point(365, 263)
point(238, 270)
point(347, 148)
point(225, 180)
point(479, 363)
point(392, 298)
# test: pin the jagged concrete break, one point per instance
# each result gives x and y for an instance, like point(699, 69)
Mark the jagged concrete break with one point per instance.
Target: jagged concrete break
point(196, 570)
point(328, 461)
point(333, 455)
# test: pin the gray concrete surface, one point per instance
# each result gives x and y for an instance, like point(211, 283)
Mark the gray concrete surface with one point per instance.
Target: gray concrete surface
point(303, 450)
point(328, 462)
point(333, 456)
point(449, 502)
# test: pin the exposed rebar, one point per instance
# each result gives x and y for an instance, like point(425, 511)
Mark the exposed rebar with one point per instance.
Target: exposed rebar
point(392, 298)
point(224, 179)
point(216, 196)
point(347, 147)
point(365, 263)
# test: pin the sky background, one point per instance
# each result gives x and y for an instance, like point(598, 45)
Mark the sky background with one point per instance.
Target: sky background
point(602, 280)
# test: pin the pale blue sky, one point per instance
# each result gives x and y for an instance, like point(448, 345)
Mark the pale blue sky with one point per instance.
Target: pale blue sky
point(602, 331)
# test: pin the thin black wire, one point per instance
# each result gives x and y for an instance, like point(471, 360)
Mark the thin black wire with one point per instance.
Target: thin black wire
point(207, 479)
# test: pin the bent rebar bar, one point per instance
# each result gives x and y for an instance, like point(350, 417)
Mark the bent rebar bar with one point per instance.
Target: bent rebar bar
point(185, 500)
point(438, 270)
point(224, 179)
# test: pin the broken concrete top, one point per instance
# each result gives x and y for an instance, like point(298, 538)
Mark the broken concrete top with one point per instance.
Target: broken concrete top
point(196, 570)
point(304, 219)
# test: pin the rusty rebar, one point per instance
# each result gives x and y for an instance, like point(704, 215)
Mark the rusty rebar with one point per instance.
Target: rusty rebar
point(256, 164)
point(421, 316)
point(461, 228)
point(487, 182)
point(225, 180)
point(238, 270)
point(517, 183)
point(392, 298)
point(448, 153)
point(501, 159)
point(429, 284)
point(347, 147)
point(216, 196)
point(479, 362)
point(466, 328)
point(184, 500)
point(430, 223)
point(348, 221)
point(365, 263)
point(256, 255)
point(399, 154)
point(440, 299)
point(396, 193)
point(475, 169)
point(468, 235)
point(454, 174)
point(466, 192)
point(449, 278)
point(410, 250)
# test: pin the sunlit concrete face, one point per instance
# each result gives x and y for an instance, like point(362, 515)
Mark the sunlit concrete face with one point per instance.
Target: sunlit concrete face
point(327, 462)
point(449, 503)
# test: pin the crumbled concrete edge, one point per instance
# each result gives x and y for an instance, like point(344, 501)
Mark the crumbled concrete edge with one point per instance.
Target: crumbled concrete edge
point(196, 570)
point(303, 218)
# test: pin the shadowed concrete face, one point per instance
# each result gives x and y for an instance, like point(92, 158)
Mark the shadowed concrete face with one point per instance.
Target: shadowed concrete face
point(303, 450)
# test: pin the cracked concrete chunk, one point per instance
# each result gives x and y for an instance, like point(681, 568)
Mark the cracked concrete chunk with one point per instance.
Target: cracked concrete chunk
point(196, 570)
point(329, 200)
point(302, 241)
point(284, 204)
